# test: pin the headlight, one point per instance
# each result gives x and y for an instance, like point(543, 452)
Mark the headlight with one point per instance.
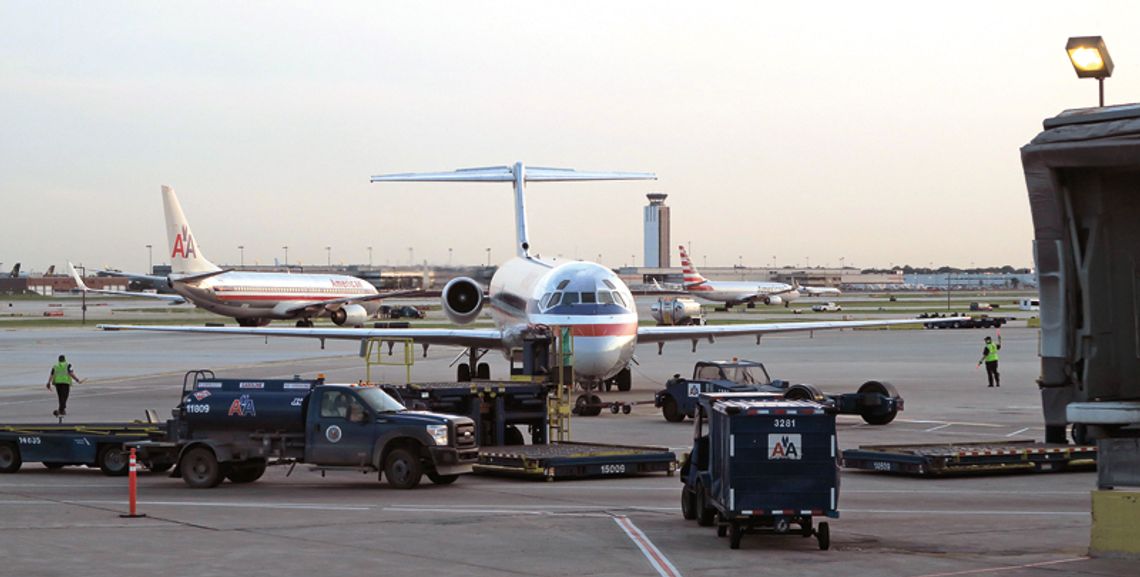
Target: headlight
point(438, 433)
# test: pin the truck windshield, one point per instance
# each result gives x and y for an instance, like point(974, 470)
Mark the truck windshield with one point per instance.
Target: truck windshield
point(745, 375)
point(379, 401)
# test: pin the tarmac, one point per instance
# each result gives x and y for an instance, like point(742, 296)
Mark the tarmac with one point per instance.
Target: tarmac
point(67, 522)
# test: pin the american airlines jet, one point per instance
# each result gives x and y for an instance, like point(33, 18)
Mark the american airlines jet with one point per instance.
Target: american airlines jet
point(735, 292)
point(255, 298)
point(529, 293)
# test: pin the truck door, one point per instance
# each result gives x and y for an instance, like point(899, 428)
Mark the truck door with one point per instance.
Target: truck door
point(340, 431)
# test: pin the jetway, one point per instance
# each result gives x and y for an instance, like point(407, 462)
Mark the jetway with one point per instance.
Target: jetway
point(1083, 176)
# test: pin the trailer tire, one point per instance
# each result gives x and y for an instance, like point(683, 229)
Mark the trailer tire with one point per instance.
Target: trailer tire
point(1080, 434)
point(624, 380)
point(246, 471)
point(200, 468)
point(706, 514)
point(483, 371)
point(403, 469)
point(804, 392)
point(113, 461)
point(10, 460)
point(823, 536)
point(688, 504)
point(670, 411)
point(463, 373)
point(735, 532)
point(884, 389)
point(442, 479)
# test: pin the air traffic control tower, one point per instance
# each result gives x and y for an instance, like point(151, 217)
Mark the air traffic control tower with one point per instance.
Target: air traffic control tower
point(657, 231)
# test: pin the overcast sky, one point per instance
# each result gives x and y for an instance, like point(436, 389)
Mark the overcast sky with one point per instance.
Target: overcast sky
point(881, 132)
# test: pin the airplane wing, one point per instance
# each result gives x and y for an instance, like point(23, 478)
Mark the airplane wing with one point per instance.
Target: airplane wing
point(467, 338)
point(507, 174)
point(711, 332)
point(148, 278)
point(333, 303)
point(173, 299)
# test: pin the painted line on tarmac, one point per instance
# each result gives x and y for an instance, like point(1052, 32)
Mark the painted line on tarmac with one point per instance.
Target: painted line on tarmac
point(937, 428)
point(1017, 432)
point(959, 423)
point(1005, 568)
point(656, 558)
point(234, 505)
point(960, 513)
point(500, 511)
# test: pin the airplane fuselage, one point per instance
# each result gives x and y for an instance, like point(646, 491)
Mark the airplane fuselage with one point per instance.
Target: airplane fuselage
point(261, 295)
point(737, 292)
point(587, 297)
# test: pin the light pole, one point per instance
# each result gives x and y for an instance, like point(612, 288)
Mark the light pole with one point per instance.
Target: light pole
point(1090, 59)
point(411, 256)
point(369, 257)
point(488, 256)
point(149, 259)
point(841, 260)
point(449, 257)
point(286, 247)
point(328, 255)
point(241, 251)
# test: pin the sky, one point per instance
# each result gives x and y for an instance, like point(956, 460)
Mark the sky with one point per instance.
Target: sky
point(879, 133)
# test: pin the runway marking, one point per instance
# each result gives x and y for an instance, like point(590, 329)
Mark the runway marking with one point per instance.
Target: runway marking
point(1004, 568)
point(654, 555)
point(499, 511)
point(959, 423)
point(936, 428)
point(1017, 432)
point(229, 505)
point(958, 513)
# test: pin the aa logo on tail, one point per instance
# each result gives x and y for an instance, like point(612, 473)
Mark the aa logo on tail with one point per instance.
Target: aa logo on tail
point(781, 446)
point(184, 245)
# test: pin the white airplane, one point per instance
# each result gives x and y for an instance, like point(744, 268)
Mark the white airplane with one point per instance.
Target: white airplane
point(256, 298)
point(735, 292)
point(529, 293)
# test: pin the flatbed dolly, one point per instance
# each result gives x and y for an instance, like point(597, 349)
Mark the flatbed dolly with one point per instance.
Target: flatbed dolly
point(497, 407)
point(935, 460)
point(568, 460)
point(88, 444)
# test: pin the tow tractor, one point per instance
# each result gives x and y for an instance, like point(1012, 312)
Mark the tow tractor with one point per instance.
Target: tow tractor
point(878, 402)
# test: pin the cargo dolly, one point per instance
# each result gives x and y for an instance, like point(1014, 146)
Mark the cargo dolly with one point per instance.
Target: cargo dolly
point(934, 460)
point(568, 460)
point(88, 444)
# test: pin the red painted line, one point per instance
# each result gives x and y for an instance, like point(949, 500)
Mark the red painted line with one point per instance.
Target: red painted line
point(658, 560)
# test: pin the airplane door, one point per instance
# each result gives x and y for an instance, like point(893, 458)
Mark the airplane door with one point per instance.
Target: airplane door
point(342, 432)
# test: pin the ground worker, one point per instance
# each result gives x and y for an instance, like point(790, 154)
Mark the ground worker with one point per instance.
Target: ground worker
point(61, 376)
point(990, 358)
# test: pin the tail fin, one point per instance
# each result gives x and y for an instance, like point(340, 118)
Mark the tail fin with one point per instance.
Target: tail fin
point(692, 276)
point(185, 256)
point(15, 271)
point(50, 271)
point(75, 276)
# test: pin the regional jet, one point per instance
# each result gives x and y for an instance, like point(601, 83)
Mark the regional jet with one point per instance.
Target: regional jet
point(529, 294)
point(256, 298)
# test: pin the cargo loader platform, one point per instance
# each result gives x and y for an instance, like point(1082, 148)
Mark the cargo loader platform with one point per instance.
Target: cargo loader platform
point(945, 459)
point(566, 460)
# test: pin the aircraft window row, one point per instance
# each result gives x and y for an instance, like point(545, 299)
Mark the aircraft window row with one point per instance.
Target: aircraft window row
point(288, 290)
point(553, 299)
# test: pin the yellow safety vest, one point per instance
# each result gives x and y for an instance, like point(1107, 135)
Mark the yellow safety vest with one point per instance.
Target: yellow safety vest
point(60, 375)
point(991, 352)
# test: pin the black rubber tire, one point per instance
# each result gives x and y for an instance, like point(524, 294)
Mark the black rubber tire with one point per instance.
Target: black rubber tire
point(580, 405)
point(54, 466)
point(10, 460)
point(823, 535)
point(805, 528)
point(706, 514)
point(670, 411)
point(513, 436)
point(463, 373)
point(114, 461)
point(483, 371)
point(402, 469)
point(442, 479)
point(626, 409)
point(615, 408)
point(721, 529)
point(200, 468)
point(886, 391)
point(624, 380)
point(735, 532)
point(1080, 434)
point(688, 503)
point(246, 471)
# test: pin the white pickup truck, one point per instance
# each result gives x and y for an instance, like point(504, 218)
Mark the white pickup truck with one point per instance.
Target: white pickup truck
point(828, 307)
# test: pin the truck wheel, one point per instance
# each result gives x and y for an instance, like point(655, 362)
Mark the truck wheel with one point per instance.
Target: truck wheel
point(10, 460)
point(442, 479)
point(200, 468)
point(624, 380)
point(877, 418)
point(735, 532)
point(670, 411)
point(246, 471)
point(1080, 434)
point(823, 535)
point(688, 504)
point(403, 469)
point(113, 461)
point(483, 371)
point(706, 515)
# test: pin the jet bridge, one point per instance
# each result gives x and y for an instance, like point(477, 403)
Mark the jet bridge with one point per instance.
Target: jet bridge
point(1083, 176)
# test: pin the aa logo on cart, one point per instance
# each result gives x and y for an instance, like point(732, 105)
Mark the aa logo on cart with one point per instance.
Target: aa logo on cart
point(781, 446)
point(694, 389)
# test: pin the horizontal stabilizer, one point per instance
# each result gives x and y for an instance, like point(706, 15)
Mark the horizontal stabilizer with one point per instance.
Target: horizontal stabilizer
point(507, 174)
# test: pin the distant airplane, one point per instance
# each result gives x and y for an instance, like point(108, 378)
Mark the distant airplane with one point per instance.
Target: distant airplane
point(82, 286)
point(735, 292)
point(256, 298)
point(528, 293)
point(15, 271)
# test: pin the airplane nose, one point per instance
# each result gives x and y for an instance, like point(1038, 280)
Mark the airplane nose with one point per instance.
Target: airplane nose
point(601, 357)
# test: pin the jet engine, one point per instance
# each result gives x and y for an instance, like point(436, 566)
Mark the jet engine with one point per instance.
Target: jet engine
point(676, 311)
point(773, 300)
point(462, 300)
point(349, 315)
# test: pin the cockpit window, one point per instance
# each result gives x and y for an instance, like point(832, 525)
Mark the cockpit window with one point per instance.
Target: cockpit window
point(563, 284)
point(609, 284)
point(589, 298)
point(619, 301)
point(569, 298)
point(605, 297)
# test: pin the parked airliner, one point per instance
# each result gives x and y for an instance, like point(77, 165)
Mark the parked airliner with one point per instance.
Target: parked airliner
point(734, 292)
point(529, 293)
point(256, 298)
